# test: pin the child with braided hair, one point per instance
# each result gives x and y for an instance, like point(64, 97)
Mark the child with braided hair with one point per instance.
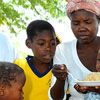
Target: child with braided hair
point(12, 80)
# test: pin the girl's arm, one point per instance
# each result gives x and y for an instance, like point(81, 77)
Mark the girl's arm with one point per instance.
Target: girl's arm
point(58, 90)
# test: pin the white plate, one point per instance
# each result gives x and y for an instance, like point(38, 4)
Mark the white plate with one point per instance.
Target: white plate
point(88, 83)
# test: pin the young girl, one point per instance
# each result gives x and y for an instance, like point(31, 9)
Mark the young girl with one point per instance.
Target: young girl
point(12, 80)
point(41, 39)
point(79, 56)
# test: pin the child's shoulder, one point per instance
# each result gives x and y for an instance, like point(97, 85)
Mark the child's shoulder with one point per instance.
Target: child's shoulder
point(21, 60)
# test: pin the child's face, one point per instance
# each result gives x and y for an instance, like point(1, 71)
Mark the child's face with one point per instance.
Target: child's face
point(14, 92)
point(84, 25)
point(43, 46)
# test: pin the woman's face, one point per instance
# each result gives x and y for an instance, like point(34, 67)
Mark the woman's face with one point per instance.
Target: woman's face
point(84, 25)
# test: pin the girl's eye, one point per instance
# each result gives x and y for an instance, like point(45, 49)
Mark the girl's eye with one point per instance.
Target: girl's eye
point(41, 44)
point(53, 43)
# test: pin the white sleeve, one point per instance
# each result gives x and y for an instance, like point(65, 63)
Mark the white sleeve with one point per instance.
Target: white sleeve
point(14, 54)
point(7, 51)
point(53, 80)
point(58, 59)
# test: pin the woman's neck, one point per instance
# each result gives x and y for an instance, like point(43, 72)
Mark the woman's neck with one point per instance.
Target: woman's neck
point(93, 44)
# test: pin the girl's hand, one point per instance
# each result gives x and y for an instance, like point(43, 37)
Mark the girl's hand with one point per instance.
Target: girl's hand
point(60, 71)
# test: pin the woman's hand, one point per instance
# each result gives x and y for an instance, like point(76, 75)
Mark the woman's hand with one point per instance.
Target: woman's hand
point(84, 89)
point(81, 89)
point(60, 71)
point(94, 89)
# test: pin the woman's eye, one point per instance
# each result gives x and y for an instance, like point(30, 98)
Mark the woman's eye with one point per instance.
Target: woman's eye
point(88, 22)
point(75, 23)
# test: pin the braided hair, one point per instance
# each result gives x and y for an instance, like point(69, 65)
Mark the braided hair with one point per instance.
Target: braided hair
point(8, 72)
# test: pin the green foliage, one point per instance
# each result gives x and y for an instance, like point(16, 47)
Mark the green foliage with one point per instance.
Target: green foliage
point(21, 52)
point(12, 12)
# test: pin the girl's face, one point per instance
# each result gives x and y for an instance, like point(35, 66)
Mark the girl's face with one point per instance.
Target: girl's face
point(84, 25)
point(43, 46)
point(14, 92)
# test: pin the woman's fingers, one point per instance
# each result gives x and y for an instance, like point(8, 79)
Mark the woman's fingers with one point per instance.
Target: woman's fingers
point(81, 89)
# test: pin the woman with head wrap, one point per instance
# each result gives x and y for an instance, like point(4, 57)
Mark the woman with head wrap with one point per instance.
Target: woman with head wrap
point(79, 56)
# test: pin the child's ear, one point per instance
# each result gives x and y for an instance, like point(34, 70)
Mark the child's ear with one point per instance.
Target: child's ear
point(28, 43)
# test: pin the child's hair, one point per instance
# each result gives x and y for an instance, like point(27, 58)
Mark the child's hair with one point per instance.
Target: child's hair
point(8, 72)
point(38, 26)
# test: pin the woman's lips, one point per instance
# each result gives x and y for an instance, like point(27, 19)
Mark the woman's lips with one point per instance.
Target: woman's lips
point(84, 36)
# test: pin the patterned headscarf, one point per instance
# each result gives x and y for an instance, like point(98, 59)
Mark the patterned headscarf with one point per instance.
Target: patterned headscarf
point(89, 5)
